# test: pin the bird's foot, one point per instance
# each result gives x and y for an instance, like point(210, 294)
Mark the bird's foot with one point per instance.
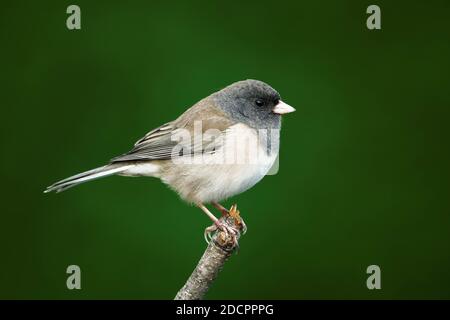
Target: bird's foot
point(233, 213)
point(238, 221)
point(225, 228)
point(230, 224)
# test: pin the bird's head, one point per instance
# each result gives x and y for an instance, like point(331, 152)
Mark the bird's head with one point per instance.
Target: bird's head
point(252, 102)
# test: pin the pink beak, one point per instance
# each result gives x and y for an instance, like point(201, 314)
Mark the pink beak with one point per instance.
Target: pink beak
point(282, 108)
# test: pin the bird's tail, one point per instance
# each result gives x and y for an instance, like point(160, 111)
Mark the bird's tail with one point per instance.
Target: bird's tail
point(87, 176)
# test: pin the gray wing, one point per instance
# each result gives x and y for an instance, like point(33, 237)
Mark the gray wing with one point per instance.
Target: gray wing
point(159, 144)
point(155, 145)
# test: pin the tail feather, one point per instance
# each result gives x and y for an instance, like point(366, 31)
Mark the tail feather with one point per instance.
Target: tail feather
point(87, 176)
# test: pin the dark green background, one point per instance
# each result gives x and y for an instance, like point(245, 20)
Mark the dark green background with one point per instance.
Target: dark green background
point(364, 165)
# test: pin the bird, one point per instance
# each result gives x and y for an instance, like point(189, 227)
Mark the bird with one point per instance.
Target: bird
point(220, 147)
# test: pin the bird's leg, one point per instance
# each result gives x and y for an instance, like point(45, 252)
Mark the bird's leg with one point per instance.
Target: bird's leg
point(234, 213)
point(217, 225)
point(221, 208)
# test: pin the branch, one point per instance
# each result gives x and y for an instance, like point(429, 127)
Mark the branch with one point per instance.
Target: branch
point(220, 248)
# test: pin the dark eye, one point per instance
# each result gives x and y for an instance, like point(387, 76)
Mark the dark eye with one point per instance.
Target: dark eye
point(259, 102)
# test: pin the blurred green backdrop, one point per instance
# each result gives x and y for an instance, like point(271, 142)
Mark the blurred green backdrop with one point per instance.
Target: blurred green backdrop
point(364, 165)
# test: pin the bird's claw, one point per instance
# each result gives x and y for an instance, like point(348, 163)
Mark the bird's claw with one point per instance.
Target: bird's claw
point(244, 226)
point(208, 233)
point(226, 229)
point(238, 221)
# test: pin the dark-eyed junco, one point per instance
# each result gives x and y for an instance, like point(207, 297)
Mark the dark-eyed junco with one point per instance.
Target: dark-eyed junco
point(220, 147)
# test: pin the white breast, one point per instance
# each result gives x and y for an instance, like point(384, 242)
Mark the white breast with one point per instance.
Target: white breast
point(237, 166)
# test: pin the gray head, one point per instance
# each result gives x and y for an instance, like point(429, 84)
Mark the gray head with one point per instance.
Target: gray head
point(252, 102)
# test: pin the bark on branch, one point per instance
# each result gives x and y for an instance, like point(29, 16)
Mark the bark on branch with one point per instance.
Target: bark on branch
point(220, 248)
